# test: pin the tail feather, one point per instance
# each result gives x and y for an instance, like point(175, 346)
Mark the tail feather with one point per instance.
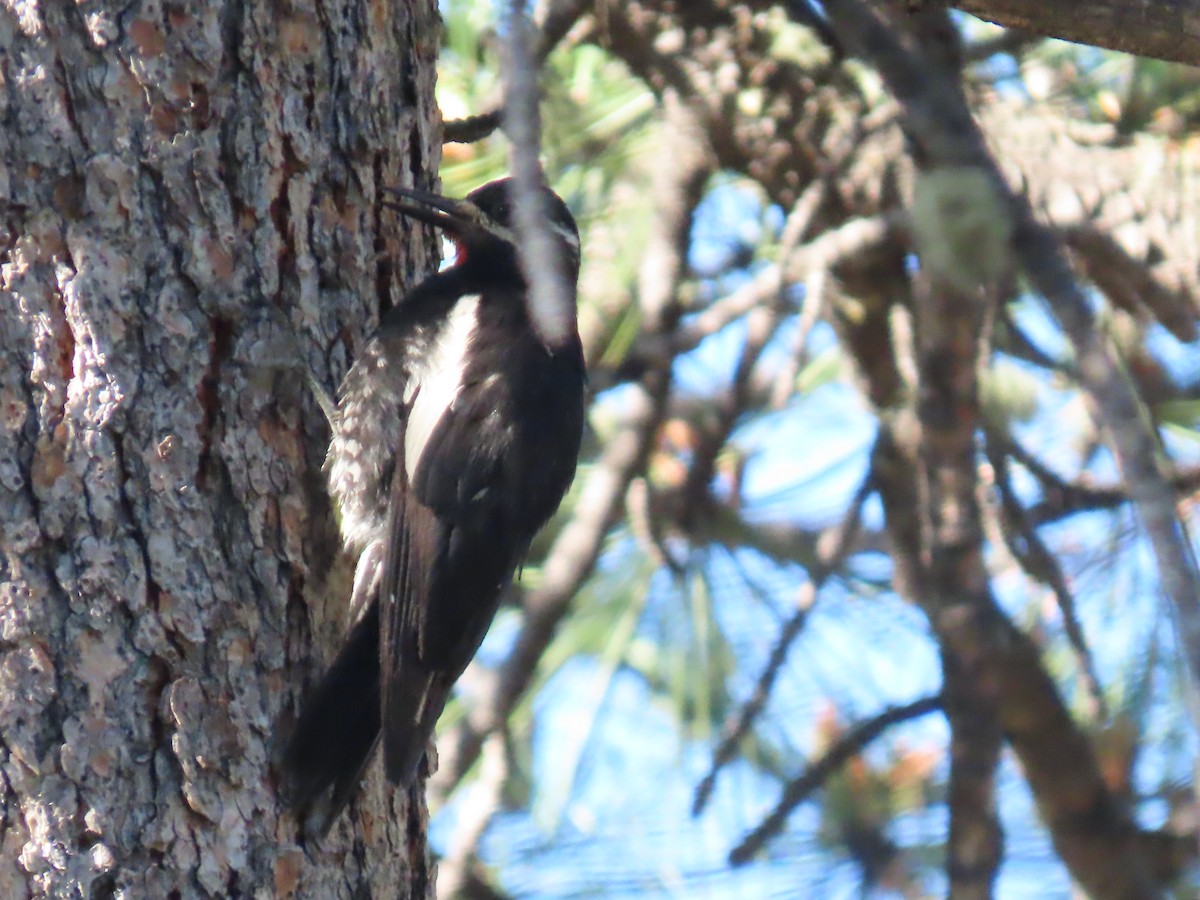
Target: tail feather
point(414, 702)
point(324, 757)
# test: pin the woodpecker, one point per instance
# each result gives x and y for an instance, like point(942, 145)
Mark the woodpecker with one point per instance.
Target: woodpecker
point(455, 436)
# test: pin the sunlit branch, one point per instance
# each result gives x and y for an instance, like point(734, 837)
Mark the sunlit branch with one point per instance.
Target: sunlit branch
point(551, 298)
point(815, 292)
point(829, 249)
point(1166, 30)
point(815, 775)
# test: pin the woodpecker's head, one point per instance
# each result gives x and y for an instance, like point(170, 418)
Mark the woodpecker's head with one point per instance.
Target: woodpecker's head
point(481, 225)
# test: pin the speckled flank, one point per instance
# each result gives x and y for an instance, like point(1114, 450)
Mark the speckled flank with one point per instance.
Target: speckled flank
point(360, 466)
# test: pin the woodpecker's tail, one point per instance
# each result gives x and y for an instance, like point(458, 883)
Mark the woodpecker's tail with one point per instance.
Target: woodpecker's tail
point(414, 701)
point(323, 759)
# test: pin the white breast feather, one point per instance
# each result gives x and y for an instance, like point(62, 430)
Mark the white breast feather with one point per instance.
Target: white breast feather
point(437, 382)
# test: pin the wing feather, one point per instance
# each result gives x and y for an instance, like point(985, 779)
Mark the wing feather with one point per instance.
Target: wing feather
point(462, 515)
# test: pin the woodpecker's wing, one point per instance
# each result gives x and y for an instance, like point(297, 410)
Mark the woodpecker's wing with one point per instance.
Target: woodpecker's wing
point(450, 556)
point(478, 480)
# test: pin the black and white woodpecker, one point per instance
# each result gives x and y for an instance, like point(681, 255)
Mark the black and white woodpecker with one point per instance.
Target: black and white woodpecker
point(455, 436)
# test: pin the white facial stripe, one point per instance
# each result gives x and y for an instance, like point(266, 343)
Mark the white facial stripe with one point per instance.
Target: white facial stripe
point(505, 234)
point(568, 236)
point(439, 380)
point(510, 235)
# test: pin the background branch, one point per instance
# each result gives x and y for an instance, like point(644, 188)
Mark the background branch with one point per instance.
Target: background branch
point(831, 552)
point(1167, 29)
point(817, 772)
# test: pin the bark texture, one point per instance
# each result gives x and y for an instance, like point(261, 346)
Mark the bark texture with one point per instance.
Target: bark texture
point(189, 220)
point(1168, 29)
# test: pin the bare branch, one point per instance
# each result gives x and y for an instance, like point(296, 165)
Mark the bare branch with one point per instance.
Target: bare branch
point(823, 253)
point(1167, 29)
point(551, 297)
point(1128, 284)
point(944, 134)
point(1012, 41)
point(1039, 563)
point(830, 555)
point(472, 128)
point(799, 789)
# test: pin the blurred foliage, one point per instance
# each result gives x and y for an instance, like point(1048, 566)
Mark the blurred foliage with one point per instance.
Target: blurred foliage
point(1132, 93)
point(692, 637)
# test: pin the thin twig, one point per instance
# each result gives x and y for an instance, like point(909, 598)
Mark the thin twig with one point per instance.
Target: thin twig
point(1020, 345)
point(832, 247)
point(647, 527)
point(1062, 498)
point(554, 20)
point(551, 298)
point(761, 325)
point(1040, 564)
point(815, 293)
point(1012, 41)
point(473, 128)
point(815, 775)
point(830, 555)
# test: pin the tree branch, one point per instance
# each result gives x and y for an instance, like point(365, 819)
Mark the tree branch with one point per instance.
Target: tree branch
point(1040, 564)
point(814, 776)
point(830, 555)
point(1167, 29)
point(553, 24)
point(551, 298)
point(1088, 827)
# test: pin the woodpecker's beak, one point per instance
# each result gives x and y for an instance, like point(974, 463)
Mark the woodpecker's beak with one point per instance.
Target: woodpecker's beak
point(458, 217)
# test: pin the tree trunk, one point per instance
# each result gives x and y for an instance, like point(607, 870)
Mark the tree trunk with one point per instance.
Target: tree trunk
point(190, 220)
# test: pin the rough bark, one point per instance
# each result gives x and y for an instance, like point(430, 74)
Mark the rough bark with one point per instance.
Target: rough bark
point(189, 220)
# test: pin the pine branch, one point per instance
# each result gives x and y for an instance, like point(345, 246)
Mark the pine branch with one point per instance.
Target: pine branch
point(815, 775)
